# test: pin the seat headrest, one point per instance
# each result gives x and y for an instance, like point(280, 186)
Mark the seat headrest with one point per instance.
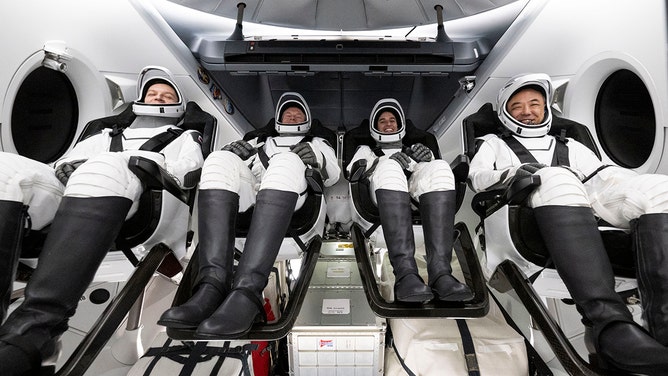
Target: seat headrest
point(360, 135)
point(485, 121)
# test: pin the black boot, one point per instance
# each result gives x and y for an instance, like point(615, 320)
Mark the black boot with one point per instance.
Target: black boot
point(394, 208)
point(650, 243)
point(217, 215)
point(83, 230)
point(576, 248)
point(12, 223)
point(244, 305)
point(437, 210)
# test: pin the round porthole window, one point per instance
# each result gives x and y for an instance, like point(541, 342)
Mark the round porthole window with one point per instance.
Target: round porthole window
point(44, 115)
point(625, 120)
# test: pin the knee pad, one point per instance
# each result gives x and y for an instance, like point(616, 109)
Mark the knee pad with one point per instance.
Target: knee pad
point(645, 194)
point(11, 179)
point(430, 177)
point(388, 175)
point(285, 173)
point(225, 170)
point(32, 183)
point(560, 187)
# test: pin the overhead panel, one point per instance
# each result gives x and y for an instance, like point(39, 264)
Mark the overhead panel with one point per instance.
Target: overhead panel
point(349, 15)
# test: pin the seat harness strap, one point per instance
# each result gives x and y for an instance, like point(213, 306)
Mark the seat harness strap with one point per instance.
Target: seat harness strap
point(264, 158)
point(468, 347)
point(155, 143)
point(559, 158)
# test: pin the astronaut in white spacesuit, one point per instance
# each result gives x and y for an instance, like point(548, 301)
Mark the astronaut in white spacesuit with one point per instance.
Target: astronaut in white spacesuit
point(267, 170)
point(432, 184)
point(86, 199)
point(575, 186)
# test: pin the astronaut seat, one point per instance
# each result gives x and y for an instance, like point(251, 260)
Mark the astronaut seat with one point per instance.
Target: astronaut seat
point(302, 243)
point(154, 239)
point(367, 232)
point(510, 230)
point(514, 253)
point(164, 209)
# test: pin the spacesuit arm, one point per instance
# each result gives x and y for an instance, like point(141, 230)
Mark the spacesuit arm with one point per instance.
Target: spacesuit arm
point(583, 161)
point(87, 148)
point(241, 148)
point(183, 158)
point(492, 167)
point(326, 160)
point(420, 153)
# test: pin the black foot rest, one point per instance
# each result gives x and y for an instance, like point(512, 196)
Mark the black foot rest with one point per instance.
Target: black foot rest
point(283, 325)
point(476, 307)
point(507, 276)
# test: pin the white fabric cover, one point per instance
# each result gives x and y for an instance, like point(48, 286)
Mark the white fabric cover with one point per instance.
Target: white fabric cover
point(433, 347)
point(165, 366)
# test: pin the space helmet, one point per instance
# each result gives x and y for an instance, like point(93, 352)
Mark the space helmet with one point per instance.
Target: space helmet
point(152, 75)
point(538, 81)
point(287, 100)
point(393, 106)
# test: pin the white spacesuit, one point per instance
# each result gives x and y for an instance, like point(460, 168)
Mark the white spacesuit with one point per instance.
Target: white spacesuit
point(432, 184)
point(87, 199)
point(228, 171)
point(573, 182)
point(267, 171)
point(616, 194)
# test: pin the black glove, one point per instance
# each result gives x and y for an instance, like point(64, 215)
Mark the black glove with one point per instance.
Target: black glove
point(403, 160)
point(527, 169)
point(306, 153)
point(65, 169)
point(241, 148)
point(419, 153)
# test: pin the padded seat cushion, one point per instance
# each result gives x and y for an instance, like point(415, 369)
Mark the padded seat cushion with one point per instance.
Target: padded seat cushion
point(529, 243)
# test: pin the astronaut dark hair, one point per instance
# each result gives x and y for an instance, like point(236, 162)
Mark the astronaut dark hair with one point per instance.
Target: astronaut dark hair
point(393, 106)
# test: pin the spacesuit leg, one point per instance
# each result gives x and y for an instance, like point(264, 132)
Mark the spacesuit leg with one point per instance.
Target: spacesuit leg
point(83, 230)
point(434, 184)
point(13, 223)
point(34, 184)
point(276, 201)
point(394, 207)
point(27, 187)
point(642, 200)
point(224, 175)
point(571, 236)
point(650, 242)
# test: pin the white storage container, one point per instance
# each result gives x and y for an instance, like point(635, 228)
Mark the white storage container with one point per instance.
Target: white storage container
point(336, 333)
